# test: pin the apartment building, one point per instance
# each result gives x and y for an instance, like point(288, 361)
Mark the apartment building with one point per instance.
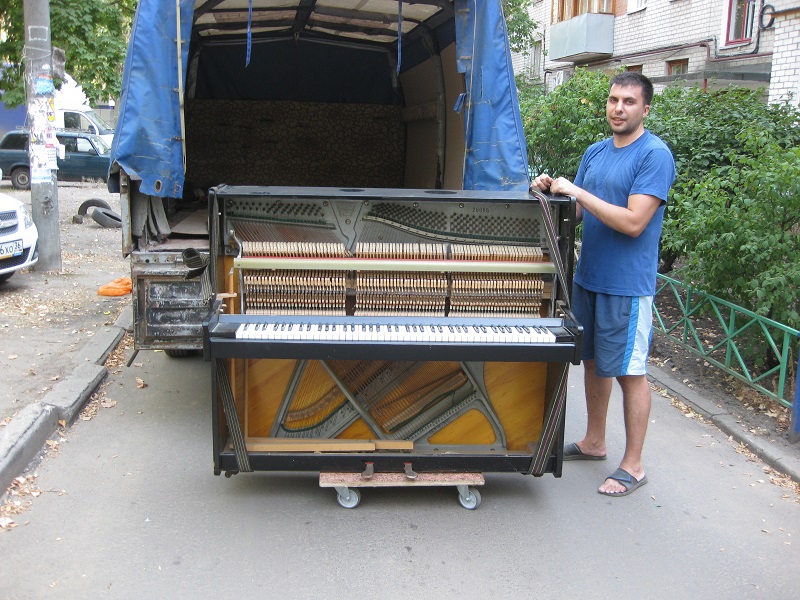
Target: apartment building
point(709, 43)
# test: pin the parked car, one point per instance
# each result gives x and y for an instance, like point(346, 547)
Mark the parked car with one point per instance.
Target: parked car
point(18, 237)
point(86, 157)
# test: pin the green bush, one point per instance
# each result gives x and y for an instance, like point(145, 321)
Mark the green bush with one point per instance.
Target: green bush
point(744, 229)
point(559, 126)
point(703, 130)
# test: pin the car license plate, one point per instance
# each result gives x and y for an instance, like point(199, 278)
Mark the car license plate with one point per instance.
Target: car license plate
point(11, 249)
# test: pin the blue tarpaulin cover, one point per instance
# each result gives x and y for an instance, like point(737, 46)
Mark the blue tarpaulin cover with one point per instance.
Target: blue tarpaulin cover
point(147, 140)
point(496, 156)
point(148, 146)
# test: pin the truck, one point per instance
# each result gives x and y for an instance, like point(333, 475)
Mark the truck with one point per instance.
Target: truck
point(409, 95)
point(331, 200)
point(81, 118)
point(85, 119)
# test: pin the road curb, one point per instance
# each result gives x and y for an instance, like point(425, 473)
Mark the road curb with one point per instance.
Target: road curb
point(771, 454)
point(25, 435)
point(22, 439)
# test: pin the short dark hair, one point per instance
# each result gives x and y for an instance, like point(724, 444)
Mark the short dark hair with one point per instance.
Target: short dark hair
point(634, 78)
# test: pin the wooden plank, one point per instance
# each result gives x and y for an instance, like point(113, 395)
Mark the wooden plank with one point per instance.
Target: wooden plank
point(263, 444)
point(399, 479)
point(393, 444)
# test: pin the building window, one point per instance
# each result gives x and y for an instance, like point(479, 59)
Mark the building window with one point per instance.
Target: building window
point(634, 68)
point(536, 59)
point(636, 5)
point(564, 10)
point(741, 16)
point(678, 67)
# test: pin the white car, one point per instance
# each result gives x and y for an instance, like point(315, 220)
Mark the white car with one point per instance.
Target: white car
point(18, 237)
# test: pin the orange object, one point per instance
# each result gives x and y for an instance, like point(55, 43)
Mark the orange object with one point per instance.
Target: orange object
point(118, 287)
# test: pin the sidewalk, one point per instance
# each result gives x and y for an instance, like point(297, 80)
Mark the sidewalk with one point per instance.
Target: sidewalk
point(775, 451)
point(56, 333)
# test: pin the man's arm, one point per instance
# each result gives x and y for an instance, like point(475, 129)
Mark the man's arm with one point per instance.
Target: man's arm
point(630, 220)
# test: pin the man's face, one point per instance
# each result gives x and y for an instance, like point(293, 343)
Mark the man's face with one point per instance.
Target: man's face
point(625, 109)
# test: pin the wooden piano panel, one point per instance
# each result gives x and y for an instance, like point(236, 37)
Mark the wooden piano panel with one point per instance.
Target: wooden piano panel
point(359, 430)
point(266, 382)
point(516, 392)
point(472, 426)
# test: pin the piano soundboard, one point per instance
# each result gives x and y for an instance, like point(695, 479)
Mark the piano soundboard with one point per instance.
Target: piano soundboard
point(389, 327)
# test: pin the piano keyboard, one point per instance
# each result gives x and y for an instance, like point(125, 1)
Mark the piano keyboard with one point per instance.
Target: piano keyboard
point(396, 332)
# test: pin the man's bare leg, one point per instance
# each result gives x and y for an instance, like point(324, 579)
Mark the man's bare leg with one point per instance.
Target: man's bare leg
point(598, 392)
point(636, 405)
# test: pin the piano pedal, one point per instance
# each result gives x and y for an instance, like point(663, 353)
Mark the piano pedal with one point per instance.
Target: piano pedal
point(410, 473)
point(369, 471)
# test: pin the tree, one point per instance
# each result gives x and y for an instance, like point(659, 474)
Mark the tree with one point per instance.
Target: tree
point(560, 125)
point(93, 35)
point(520, 26)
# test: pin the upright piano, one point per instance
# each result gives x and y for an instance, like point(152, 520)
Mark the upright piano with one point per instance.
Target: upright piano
point(389, 331)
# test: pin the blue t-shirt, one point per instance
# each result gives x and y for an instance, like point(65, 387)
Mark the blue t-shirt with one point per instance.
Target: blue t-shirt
point(612, 262)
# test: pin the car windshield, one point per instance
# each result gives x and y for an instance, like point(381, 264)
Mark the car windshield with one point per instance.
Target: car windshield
point(101, 145)
point(99, 121)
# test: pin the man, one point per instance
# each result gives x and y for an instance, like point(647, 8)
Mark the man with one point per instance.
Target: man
point(621, 190)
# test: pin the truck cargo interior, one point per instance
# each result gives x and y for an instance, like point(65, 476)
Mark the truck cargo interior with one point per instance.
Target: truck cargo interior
point(313, 95)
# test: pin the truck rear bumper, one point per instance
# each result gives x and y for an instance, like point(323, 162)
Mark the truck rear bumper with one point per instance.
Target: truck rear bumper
point(169, 308)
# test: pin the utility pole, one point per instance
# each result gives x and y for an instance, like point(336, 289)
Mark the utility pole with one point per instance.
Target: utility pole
point(43, 145)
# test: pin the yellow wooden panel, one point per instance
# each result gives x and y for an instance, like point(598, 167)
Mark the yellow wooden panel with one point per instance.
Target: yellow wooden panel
point(266, 384)
point(470, 428)
point(517, 393)
point(315, 399)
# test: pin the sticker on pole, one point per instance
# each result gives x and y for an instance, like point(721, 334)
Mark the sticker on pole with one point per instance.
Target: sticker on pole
point(43, 85)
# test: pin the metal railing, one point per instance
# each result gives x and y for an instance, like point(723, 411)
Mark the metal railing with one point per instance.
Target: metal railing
point(722, 333)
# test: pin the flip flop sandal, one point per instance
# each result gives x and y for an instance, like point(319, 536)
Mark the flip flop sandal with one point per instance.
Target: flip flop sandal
point(629, 481)
point(573, 452)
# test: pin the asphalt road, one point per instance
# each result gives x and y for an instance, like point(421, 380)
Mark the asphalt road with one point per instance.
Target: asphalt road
point(129, 508)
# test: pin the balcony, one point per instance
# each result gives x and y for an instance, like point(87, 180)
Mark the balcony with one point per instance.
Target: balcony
point(584, 38)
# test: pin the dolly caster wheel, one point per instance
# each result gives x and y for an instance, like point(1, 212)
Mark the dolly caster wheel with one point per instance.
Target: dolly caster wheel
point(469, 498)
point(348, 497)
point(230, 474)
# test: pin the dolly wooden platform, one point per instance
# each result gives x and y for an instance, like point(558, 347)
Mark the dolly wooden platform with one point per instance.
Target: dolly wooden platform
point(347, 484)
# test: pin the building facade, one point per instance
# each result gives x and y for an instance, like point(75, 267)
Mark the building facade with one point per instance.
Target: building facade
point(709, 43)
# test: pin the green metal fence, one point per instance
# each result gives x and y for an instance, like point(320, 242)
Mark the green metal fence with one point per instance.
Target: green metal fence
point(725, 335)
